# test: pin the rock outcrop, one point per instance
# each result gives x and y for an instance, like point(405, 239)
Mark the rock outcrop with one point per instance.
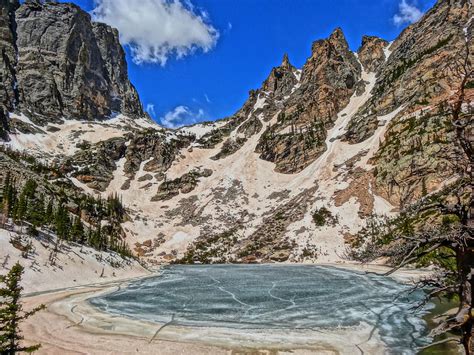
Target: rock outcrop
point(124, 96)
point(281, 79)
point(69, 67)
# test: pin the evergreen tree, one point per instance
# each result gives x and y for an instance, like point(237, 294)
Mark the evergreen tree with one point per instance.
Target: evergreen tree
point(21, 207)
point(12, 314)
point(62, 222)
point(5, 211)
point(49, 213)
point(29, 189)
point(11, 197)
point(36, 212)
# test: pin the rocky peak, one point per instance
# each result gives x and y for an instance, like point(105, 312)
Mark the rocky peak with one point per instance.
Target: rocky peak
point(333, 50)
point(338, 40)
point(417, 73)
point(69, 66)
point(281, 79)
point(285, 63)
point(371, 53)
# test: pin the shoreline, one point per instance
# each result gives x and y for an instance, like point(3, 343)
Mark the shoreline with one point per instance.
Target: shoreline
point(71, 325)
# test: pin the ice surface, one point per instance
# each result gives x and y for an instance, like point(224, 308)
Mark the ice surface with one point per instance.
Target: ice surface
point(275, 297)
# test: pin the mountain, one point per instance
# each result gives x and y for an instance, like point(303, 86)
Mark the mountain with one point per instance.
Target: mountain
point(290, 177)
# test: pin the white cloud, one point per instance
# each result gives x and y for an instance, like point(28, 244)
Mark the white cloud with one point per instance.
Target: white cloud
point(150, 108)
point(207, 99)
point(157, 29)
point(180, 116)
point(407, 14)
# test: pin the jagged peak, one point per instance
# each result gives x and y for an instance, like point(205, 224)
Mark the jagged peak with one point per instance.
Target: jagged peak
point(370, 41)
point(281, 78)
point(338, 40)
point(337, 33)
point(285, 63)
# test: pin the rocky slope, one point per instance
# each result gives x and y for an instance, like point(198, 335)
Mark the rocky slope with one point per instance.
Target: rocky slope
point(290, 177)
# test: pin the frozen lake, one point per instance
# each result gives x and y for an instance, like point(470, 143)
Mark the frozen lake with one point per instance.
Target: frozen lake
point(259, 297)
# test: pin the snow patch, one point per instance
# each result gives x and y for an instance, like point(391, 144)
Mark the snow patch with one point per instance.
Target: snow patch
point(386, 51)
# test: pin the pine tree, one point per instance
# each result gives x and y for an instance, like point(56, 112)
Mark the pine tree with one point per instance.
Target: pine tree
point(36, 212)
point(11, 197)
point(30, 189)
point(5, 211)
point(49, 214)
point(21, 207)
point(12, 314)
point(62, 222)
point(98, 237)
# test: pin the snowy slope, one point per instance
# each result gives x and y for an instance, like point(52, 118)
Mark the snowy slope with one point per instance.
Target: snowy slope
point(73, 265)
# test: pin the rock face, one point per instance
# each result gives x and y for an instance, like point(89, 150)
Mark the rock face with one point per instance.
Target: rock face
point(68, 66)
point(124, 96)
point(371, 53)
point(281, 79)
point(8, 92)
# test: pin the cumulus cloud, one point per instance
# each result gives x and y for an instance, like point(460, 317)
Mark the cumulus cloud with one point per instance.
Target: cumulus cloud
point(150, 108)
point(157, 29)
point(407, 14)
point(180, 116)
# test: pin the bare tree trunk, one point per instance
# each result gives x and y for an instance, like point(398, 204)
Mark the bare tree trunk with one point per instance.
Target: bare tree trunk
point(465, 258)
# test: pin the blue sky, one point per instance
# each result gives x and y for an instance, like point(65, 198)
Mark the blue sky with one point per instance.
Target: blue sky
point(246, 39)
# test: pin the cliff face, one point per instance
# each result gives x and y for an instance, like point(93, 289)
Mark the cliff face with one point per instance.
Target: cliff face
point(67, 67)
point(420, 67)
point(8, 92)
point(124, 97)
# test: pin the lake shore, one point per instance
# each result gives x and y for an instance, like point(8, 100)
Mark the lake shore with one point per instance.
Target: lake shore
point(70, 325)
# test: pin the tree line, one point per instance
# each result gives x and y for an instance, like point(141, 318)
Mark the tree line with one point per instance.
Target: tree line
point(88, 220)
